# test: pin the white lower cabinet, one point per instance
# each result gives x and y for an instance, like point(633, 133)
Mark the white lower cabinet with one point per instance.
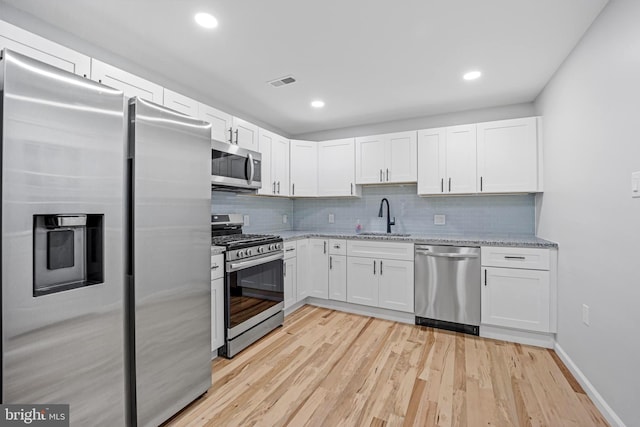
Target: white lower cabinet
point(318, 274)
point(395, 289)
point(362, 281)
point(338, 277)
point(303, 282)
point(519, 288)
point(290, 282)
point(217, 302)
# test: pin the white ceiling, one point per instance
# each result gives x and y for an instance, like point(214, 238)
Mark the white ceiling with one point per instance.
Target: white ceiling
point(369, 60)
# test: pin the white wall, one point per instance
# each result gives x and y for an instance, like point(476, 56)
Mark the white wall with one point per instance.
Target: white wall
point(591, 111)
point(426, 122)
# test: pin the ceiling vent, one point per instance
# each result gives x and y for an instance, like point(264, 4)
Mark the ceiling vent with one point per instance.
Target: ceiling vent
point(283, 81)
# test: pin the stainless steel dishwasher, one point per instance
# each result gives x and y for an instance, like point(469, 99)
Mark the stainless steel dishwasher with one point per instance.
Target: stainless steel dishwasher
point(447, 287)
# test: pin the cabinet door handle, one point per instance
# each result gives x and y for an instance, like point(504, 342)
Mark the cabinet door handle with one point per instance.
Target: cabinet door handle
point(480, 183)
point(352, 188)
point(381, 267)
point(374, 268)
point(325, 247)
point(278, 187)
point(515, 257)
point(236, 136)
point(449, 185)
point(442, 185)
point(330, 263)
point(293, 189)
point(485, 277)
point(387, 174)
point(274, 188)
point(230, 135)
point(380, 175)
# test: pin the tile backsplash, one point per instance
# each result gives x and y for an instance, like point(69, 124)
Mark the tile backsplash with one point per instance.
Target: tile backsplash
point(464, 215)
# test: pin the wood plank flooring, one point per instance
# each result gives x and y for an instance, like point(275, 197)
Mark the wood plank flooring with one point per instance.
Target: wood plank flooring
point(328, 368)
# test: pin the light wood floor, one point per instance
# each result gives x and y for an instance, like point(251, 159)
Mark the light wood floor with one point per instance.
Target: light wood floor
point(328, 368)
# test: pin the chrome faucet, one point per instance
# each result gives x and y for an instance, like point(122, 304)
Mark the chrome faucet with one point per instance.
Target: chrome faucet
point(390, 222)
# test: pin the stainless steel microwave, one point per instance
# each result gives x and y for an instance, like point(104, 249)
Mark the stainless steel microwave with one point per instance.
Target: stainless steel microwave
point(234, 168)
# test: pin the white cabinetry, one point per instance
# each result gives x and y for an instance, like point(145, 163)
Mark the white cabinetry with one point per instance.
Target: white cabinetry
point(303, 280)
point(180, 103)
point(217, 303)
point(337, 270)
point(220, 122)
point(245, 134)
point(389, 158)
point(380, 274)
point(290, 268)
point(336, 167)
point(130, 84)
point(304, 168)
point(36, 47)
point(518, 288)
point(508, 157)
point(318, 273)
point(447, 160)
point(275, 164)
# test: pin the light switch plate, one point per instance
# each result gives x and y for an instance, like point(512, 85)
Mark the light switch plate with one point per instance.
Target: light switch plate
point(245, 219)
point(332, 218)
point(635, 184)
point(439, 219)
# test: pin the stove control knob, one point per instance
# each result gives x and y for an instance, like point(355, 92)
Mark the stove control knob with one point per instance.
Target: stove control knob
point(240, 254)
point(272, 247)
point(249, 252)
point(261, 249)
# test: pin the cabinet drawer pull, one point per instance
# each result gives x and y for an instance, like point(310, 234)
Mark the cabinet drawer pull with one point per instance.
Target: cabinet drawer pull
point(514, 257)
point(215, 266)
point(290, 249)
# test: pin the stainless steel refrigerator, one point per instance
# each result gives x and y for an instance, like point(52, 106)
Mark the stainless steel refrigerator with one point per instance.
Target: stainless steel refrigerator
point(63, 182)
point(170, 207)
point(105, 265)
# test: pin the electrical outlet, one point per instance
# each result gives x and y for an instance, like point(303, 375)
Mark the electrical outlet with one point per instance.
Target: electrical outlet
point(246, 221)
point(332, 218)
point(439, 219)
point(585, 314)
point(285, 218)
point(635, 184)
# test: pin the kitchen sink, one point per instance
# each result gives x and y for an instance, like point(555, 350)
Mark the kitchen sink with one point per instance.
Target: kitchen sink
point(373, 233)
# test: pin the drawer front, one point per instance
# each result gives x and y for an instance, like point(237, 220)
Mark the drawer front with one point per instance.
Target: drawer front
point(380, 249)
point(290, 249)
point(527, 258)
point(217, 266)
point(337, 247)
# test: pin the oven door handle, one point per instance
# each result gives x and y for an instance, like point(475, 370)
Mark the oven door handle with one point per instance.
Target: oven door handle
point(237, 266)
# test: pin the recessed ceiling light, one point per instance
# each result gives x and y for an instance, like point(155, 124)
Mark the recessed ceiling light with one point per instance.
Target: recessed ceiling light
point(317, 103)
point(472, 75)
point(206, 20)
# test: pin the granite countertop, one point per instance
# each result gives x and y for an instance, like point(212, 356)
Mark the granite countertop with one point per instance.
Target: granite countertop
point(507, 240)
point(217, 250)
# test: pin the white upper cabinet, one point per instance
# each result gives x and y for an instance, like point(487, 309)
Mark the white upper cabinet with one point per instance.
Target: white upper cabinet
point(275, 164)
point(447, 160)
point(245, 134)
point(280, 164)
point(389, 158)
point(180, 103)
point(130, 84)
point(221, 122)
point(508, 158)
point(336, 167)
point(304, 168)
point(36, 47)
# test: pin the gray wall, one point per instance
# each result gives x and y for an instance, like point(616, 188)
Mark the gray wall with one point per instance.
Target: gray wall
point(426, 122)
point(468, 215)
point(591, 109)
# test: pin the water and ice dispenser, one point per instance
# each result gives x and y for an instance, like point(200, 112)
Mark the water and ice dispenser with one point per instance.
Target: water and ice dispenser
point(67, 252)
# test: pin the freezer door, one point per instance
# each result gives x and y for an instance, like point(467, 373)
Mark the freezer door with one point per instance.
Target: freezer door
point(63, 156)
point(171, 172)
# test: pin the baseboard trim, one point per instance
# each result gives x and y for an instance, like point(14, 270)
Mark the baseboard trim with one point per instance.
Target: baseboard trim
point(537, 339)
point(294, 307)
point(380, 313)
point(598, 400)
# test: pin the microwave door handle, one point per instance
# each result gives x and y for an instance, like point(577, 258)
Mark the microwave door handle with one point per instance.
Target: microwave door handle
point(251, 168)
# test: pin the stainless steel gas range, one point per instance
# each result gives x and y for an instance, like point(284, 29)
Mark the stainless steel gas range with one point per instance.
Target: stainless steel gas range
point(254, 282)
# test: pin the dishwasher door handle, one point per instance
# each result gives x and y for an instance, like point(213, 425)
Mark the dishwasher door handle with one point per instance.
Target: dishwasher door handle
point(448, 255)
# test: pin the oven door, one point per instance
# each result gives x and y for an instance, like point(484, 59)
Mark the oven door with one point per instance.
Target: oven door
point(235, 168)
point(254, 292)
